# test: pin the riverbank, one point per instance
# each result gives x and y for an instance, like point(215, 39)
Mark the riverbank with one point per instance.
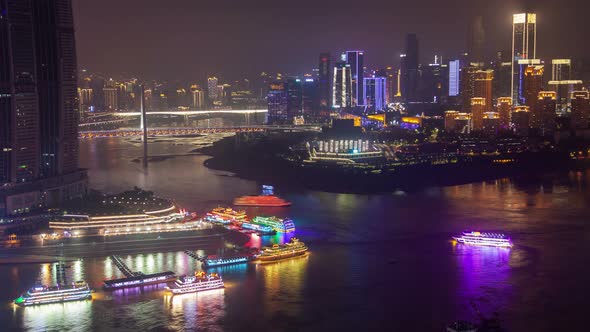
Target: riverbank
point(263, 162)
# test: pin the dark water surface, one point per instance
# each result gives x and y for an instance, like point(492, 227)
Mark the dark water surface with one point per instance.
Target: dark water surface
point(377, 262)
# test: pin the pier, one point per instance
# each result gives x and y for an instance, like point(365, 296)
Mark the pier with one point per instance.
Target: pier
point(194, 255)
point(123, 267)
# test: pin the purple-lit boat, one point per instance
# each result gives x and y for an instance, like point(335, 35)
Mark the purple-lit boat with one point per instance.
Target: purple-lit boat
point(139, 280)
point(484, 239)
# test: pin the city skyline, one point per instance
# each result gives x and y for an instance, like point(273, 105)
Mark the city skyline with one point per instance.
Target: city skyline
point(240, 45)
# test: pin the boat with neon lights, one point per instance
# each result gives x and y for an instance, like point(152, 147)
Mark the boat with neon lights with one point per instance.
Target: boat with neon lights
point(201, 281)
point(224, 216)
point(76, 291)
point(139, 280)
point(285, 225)
point(277, 252)
point(214, 260)
point(258, 228)
point(484, 239)
point(262, 200)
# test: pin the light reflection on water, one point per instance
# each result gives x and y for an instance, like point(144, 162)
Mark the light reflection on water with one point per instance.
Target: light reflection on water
point(201, 311)
point(58, 317)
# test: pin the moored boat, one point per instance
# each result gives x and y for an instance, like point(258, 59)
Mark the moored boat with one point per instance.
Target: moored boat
point(197, 283)
point(285, 225)
point(76, 291)
point(261, 200)
point(140, 280)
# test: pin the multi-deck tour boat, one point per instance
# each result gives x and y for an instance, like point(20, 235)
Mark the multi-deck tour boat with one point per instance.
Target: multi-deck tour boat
point(484, 239)
point(197, 283)
point(140, 280)
point(61, 293)
point(285, 225)
point(277, 252)
point(262, 200)
point(258, 228)
point(225, 216)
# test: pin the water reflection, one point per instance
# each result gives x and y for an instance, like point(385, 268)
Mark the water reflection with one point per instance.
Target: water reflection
point(483, 276)
point(283, 283)
point(59, 316)
point(200, 311)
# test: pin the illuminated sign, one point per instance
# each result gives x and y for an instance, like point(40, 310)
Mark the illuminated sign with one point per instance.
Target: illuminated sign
point(561, 61)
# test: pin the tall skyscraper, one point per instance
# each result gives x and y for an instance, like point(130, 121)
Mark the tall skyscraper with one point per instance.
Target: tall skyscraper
point(520, 119)
point(580, 115)
point(277, 103)
point(561, 71)
point(324, 81)
point(454, 77)
point(342, 86)
point(355, 59)
point(476, 41)
point(532, 85)
point(212, 90)
point(524, 43)
point(502, 75)
point(19, 107)
point(110, 96)
point(375, 90)
point(38, 105)
point(483, 87)
point(467, 84)
point(409, 67)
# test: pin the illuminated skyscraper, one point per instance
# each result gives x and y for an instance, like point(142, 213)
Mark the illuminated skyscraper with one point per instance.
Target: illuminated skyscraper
point(454, 77)
point(483, 87)
point(355, 59)
point(110, 96)
point(502, 75)
point(561, 70)
point(212, 90)
point(467, 84)
point(375, 90)
point(277, 103)
point(324, 81)
point(524, 43)
point(342, 86)
point(504, 110)
point(580, 114)
point(491, 123)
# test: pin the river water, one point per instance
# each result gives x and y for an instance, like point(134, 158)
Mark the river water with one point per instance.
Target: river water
point(377, 263)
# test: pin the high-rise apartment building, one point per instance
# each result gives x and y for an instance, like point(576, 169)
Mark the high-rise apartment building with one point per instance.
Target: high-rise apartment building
point(197, 97)
point(532, 85)
point(476, 41)
point(520, 119)
point(478, 108)
point(212, 90)
point(524, 43)
point(454, 78)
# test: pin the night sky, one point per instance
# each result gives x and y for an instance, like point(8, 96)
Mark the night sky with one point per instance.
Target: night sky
point(188, 39)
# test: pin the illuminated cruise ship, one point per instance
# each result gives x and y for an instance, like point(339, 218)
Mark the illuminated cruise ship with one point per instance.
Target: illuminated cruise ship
point(165, 220)
point(285, 225)
point(197, 283)
point(262, 200)
point(277, 252)
point(484, 239)
point(225, 216)
point(62, 293)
